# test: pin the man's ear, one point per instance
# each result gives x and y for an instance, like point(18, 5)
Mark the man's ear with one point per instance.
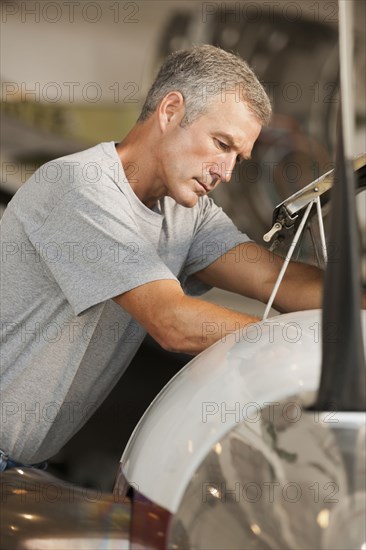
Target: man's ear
point(171, 110)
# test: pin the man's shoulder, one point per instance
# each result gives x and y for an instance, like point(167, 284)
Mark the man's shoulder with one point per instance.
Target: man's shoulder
point(66, 178)
point(100, 157)
point(59, 176)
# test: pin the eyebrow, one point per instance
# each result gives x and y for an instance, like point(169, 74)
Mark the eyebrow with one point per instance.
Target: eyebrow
point(231, 142)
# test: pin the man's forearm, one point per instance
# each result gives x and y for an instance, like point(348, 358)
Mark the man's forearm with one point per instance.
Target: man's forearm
point(252, 271)
point(301, 288)
point(196, 324)
point(178, 322)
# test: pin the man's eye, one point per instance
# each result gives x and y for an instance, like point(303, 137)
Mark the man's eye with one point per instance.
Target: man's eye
point(222, 145)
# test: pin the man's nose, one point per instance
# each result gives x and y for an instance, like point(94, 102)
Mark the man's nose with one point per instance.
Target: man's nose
point(213, 173)
point(227, 167)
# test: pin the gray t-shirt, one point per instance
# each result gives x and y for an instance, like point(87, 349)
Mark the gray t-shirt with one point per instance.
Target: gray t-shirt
point(73, 237)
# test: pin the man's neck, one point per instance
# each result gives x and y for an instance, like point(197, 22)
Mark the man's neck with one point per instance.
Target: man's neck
point(136, 152)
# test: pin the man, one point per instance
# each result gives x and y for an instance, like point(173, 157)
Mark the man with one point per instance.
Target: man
point(101, 246)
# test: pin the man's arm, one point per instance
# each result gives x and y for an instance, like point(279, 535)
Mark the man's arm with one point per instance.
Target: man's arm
point(178, 322)
point(252, 271)
point(189, 325)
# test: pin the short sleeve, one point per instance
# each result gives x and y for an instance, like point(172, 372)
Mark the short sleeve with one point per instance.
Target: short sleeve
point(94, 249)
point(214, 236)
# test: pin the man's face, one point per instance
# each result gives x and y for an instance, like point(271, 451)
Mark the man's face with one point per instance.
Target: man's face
point(195, 158)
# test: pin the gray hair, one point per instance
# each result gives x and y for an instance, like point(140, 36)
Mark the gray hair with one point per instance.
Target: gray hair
point(202, 74)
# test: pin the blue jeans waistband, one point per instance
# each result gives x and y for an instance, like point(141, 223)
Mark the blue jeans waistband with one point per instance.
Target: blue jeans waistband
point(6, 463)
